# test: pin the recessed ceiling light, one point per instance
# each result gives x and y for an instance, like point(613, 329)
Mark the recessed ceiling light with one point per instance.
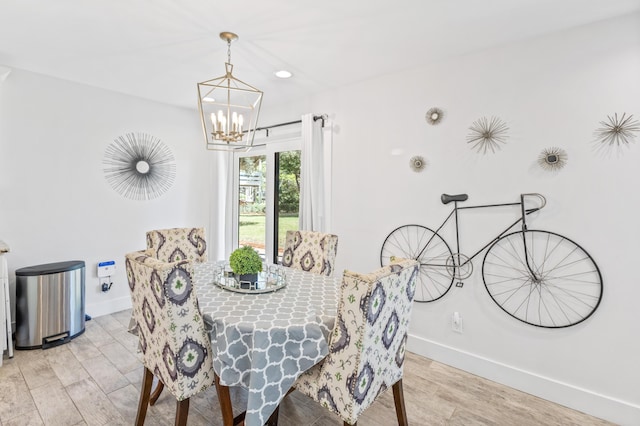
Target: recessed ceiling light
point(208, 99)
point(283, 74)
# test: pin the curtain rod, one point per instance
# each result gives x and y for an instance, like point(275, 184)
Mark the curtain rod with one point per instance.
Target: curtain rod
point(288, 123)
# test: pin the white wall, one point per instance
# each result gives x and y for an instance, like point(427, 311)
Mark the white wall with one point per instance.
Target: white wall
point(551, 91)
point(55, 204)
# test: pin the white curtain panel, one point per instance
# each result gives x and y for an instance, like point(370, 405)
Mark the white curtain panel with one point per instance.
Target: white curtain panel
point(315, 162)
point(220, 238)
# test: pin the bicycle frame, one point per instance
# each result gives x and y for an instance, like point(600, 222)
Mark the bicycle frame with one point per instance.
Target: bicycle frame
point(524, 212)
point(538, 277)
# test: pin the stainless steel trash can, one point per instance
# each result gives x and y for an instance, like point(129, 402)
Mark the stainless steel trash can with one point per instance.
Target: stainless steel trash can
point(49, 304)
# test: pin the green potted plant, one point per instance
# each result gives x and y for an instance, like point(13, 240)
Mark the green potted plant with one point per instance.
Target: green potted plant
point(245, 263)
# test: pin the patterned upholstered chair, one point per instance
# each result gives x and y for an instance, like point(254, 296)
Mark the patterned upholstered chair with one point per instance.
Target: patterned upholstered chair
point(171, 245)
point(310, 251)
point(367, 344)
point(174, 342)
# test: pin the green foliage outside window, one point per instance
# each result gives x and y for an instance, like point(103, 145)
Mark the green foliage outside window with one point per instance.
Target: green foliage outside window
point(289, 189)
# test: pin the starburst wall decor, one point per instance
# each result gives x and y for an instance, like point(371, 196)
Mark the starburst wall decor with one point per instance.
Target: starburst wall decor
point(434, 116)
point(487, 134)
point(139, 166)
point(553, 159)
point(417, 163)
point(616, 132)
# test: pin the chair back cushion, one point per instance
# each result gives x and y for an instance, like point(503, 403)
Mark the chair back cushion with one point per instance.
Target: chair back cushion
point(174, 342)
point(310, 251)
point(172, 245)
point(367, 344)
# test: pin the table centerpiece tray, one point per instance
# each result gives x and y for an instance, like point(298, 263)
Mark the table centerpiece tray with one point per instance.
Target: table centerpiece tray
point(266, 283)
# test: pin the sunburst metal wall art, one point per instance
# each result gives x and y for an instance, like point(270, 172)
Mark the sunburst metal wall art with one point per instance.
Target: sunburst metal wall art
point(139, 166)
point(487, 134)
point(617, 132)
point(434, 116)
point(553, 159)
point(417, 163)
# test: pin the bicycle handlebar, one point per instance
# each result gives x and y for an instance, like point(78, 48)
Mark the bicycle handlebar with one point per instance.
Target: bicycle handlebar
point(541, 199)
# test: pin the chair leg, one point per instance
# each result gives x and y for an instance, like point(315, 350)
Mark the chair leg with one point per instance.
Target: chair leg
point(182, 412)
point(398, 398)
point(273, 419)
point(224, 397)
point(156, 393)
point(147, 381)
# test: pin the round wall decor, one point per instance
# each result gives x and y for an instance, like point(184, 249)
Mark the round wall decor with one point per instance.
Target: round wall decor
point(617, 132)
point(434, 116)
point(553, 159)
point(417, 163)
point(139, 166)
point(487, 134)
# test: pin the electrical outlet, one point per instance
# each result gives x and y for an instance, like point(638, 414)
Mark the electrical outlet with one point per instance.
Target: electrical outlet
point(456, 322)
point(105, 284)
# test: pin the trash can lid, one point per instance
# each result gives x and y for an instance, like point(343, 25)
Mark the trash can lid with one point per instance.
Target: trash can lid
point(50, 268)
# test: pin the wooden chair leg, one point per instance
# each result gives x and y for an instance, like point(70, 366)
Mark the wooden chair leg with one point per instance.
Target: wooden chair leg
point(182, 412)
point(273, 419)
point(224, 397)
point(147, 381)
point(156, 393)
point(398, 398)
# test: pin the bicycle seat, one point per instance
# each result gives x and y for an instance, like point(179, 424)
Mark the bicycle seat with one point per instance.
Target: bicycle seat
point(446, 198)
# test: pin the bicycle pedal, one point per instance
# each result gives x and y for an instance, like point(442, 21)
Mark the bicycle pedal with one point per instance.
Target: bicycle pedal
point(459, 284)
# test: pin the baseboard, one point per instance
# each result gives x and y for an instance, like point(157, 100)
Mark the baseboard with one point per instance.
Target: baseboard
point(108, 306)
point(598, 405)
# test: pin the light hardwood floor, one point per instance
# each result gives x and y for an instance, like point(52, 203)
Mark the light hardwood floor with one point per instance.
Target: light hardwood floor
point(95, 380)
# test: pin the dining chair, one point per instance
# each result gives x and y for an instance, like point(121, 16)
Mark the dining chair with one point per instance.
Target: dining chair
point(367, 344)
point(171, 245)
point(174, 342)
point(310, 251)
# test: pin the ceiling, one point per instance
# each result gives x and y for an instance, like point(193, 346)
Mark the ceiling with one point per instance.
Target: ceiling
point(160, 49)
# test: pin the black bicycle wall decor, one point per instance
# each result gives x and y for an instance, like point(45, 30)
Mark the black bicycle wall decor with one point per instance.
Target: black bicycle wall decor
point(538, 277)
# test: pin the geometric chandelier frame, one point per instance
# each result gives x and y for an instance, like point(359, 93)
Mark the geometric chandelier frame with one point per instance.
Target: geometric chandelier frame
point(229, 108)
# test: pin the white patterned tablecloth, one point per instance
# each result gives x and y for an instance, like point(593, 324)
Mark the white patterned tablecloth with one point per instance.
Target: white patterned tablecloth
point(263, 342)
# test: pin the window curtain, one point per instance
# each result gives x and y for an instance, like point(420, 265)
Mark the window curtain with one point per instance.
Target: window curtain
point(315, 161)
point(220, 233)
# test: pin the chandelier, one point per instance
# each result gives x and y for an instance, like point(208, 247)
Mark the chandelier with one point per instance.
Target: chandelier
point(229, 108)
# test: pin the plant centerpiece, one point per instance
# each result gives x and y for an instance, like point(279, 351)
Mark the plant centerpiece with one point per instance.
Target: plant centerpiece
point(245, 263)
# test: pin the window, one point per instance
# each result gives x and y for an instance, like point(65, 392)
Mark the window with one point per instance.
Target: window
point(252, 192)
point(267, 197)
point(287, 197)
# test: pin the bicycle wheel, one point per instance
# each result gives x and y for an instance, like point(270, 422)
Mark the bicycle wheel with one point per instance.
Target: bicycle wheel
point(427, 247)
point(564, 289)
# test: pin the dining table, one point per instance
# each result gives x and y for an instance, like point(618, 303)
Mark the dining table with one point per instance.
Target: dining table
point(263, 341)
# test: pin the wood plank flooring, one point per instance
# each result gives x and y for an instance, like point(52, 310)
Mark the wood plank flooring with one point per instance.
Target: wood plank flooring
point(95, 380)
